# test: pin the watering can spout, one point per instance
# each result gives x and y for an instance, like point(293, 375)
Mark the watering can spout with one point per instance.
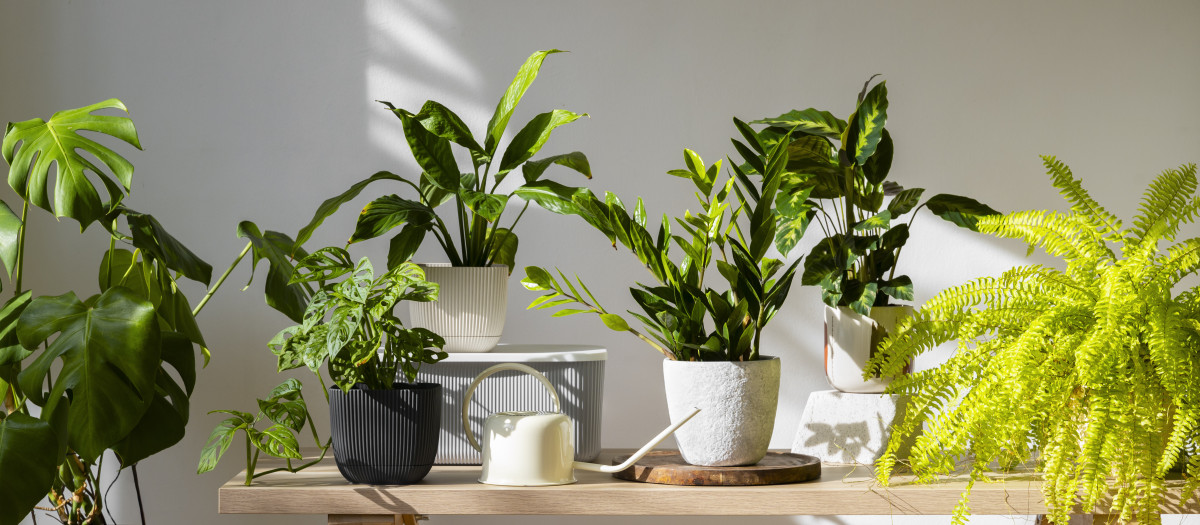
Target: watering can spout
point(594, 467)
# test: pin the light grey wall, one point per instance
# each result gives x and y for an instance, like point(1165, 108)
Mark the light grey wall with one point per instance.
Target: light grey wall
point(259, 110)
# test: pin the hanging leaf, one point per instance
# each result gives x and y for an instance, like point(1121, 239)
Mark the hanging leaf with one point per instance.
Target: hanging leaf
point(331, 205)
point(381, 215)
point(278, 249)
point(905, 201)
point(963, 211)
point(440, 121)
point(487, 205)
point(575, 160)
point(404, 245)
point(32, 146)
point(432, 153)
point(10, 229)
point(150, 236)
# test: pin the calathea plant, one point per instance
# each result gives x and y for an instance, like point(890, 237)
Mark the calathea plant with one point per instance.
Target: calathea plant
point(349, 325)
point(112, 371)
point(845, 187)
point(684, 316)
point(1091, 368)
point(472, 193)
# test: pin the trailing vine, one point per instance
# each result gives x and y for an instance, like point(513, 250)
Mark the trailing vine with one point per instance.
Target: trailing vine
point(1091, 370)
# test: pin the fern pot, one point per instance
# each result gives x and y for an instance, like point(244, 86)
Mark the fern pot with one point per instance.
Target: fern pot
point(737, 401)
point(471, 306)
point(385, 437)
point(851, 339)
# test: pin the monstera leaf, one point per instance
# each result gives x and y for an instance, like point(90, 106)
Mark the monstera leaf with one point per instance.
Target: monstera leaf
point(33, 146)
point(110, 355)
point(28, 455)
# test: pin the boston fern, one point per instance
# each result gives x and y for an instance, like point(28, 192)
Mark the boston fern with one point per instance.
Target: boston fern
point(1092, 369)
point(684, 317)
point(477, 206)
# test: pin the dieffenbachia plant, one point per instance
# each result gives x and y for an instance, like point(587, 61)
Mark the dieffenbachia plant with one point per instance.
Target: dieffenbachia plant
point(106, 371)
point(471, 194)
point(684, 316)
point(1091, 368)
point(845, 186)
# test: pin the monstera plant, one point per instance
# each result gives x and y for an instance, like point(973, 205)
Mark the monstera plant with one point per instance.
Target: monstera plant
point(106, 371)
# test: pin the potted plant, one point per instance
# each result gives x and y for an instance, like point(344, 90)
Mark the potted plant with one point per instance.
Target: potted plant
point(471, 309)
point(845, 186)
point(383, 431)
point(1089, 369)
point(711, 339)
point(113, 371)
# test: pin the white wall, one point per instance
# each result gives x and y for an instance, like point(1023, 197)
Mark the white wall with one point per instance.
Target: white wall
point(259, 110)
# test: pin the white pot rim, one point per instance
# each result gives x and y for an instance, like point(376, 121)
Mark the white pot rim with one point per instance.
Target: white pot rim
point(761, 359)
point(450, 265)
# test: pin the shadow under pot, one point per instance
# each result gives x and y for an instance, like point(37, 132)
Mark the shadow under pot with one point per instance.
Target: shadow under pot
point(385, 437)
point(737, 402)
point(851, 339)
point(471, 306)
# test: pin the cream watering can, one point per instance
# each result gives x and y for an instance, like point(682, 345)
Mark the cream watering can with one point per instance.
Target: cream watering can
point(536, 448)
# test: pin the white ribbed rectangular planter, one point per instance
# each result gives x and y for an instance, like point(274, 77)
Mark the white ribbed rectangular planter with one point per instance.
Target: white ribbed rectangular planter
point(576, 371)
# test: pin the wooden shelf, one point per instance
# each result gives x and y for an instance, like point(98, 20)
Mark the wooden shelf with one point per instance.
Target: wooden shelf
point(454, 490)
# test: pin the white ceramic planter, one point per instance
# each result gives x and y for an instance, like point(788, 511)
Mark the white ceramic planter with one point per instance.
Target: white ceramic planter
point(737, 402)
point(850, 339)
point(470, 309)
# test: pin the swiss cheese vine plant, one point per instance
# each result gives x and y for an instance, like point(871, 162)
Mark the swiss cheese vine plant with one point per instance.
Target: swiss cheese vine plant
point(472, 194)
point(1092, 369)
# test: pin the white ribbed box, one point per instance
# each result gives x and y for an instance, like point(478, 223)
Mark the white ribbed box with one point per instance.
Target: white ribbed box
point(576, 371)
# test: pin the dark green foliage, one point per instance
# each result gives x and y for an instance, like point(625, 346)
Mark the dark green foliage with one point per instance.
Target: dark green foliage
point(478, 208)
point(843, 188)
point(683, 316)
point(1092, 370)
point(351, 323)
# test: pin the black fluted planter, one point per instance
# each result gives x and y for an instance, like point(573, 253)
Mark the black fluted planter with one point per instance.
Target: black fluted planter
point(385, 437)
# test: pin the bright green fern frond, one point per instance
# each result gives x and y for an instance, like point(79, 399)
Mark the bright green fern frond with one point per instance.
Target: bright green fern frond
point(1094, 369)
point(1169, 201)
point(1081, 202)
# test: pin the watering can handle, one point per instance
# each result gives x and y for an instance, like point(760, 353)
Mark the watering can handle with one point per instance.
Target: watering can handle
point(466, 422)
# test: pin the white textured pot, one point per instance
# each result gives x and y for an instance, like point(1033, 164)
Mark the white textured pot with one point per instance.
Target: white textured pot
point(737, 402)
point(469, 313)
point(851, 339)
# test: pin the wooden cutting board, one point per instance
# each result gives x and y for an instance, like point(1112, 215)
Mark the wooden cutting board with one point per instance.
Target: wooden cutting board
point(669, 468)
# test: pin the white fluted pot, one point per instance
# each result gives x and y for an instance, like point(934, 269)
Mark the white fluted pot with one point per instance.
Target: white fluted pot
point(471, 306)
point(737, 402)
point(851, 339)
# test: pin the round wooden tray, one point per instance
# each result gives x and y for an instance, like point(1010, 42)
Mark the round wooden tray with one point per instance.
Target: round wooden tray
point(668, 468)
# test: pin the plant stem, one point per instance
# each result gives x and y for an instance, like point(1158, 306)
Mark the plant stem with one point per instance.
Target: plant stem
point(249, 463)
point(221, 280)
point(137, 487)
point(324, 451)
point(20, 266)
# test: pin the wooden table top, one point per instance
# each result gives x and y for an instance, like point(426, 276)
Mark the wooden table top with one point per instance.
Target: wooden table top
point(841, 490)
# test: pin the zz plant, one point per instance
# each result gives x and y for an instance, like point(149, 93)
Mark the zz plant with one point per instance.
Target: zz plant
point(684, 316)
point(472, 193)
point(349, 325)
point(1091, 369)
point(845, 185)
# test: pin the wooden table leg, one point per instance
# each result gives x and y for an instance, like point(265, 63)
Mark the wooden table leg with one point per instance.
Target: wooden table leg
point(375, 519)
